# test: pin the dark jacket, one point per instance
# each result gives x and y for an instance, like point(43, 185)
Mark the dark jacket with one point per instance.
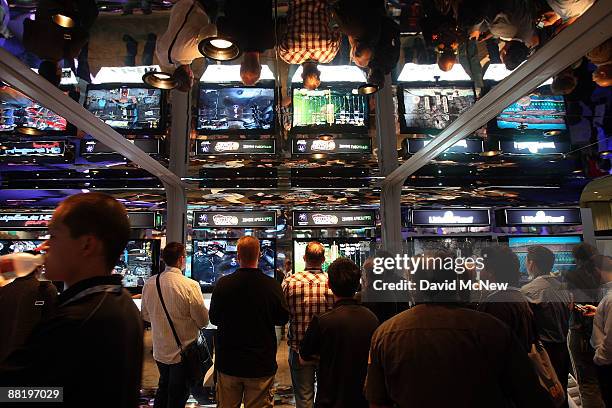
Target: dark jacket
point(245, 307)
point(95, 337)
point(24, 304)
point(250, 23)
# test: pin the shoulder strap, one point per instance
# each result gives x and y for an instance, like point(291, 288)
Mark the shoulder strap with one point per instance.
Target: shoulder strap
point(161, 299)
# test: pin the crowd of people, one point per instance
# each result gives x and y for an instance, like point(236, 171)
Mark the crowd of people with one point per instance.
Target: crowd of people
point(512, 347)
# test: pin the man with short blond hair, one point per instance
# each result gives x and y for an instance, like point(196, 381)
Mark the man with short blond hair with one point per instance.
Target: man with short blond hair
point(308, 294)
point(245, 307)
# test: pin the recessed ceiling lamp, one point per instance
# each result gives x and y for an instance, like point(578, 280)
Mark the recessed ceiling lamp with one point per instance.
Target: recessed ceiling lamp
point(160, 80)
point(219, 48)
point(491, 153)
point(63, 20)
point(30, 131)
point(552, 133)
point(367, 89)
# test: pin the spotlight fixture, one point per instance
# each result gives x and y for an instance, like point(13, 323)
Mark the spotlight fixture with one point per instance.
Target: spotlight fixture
point(367, 89)
point(63, 20)
point(605, 153)
point(219, 48)
point(160, 80)
point(491, 153)
point(30, 131)
point(552, 133)
point(325, 137)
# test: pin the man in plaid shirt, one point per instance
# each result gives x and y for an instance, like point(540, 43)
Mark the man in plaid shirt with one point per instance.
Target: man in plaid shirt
point(307, 294)
point(309, 39)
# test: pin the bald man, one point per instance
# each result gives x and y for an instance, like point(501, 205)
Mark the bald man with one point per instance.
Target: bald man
point(246, 306)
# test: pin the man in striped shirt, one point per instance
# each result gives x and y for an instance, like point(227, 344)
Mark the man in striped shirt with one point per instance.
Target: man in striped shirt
point(307, 294)
point(309, 39)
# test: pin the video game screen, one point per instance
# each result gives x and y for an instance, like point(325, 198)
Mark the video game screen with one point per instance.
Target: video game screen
point(213, 259)
point(329, 108)
point(17, 110)
point(10, 246)
point(127, 108)
point(434, 108)
point(235, 108)
point(534, 112)
point(460, 247)
point(138, 261)
point(358, 250)
point(561, 246)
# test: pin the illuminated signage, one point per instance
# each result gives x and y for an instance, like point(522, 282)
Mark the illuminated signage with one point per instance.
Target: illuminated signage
point(24, 220)
point(534, 147)
point(543, 216)
point(237, 219)
point(334, 146)
point(337, 219)
point(217, 147)
point(463, 146)
point(32, 149)
point(94, 147)
point(451, 217)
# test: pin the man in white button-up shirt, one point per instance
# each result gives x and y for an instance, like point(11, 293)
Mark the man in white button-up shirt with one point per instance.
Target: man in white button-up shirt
point(185, 304)
point(601, 339)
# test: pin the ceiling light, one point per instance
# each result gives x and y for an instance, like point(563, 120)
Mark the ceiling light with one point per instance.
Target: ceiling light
point(219, 48)
point(552, 133)
point(605, 153)
point(160, 80)
point(63, 20)
point(326, 137)
point(491, 153)
point(367, 89)
point(30, 131)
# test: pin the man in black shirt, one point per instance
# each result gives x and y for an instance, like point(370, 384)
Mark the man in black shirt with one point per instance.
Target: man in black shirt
point(96, 336)
point(440, 354)
point(340, 339)
point(245, 307)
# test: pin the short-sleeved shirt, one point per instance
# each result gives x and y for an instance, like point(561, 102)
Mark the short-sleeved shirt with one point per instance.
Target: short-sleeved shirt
point(307, 294)
point(567, 9)
point(549, 301)
point(449, 356)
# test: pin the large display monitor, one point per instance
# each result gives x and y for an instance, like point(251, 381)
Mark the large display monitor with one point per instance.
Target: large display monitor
point(17, 110)
point(138, 262)
point(561, 246)
point(430, 109)
point(330, 109)
point(235, 109)
point(214, 258)
point(131, 109)
point(458, 246)
point(356, 249)
point(10, 246)
point(538, 111)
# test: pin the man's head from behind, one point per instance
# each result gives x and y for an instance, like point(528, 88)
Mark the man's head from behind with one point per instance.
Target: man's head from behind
point(248, 252)
point(88, 233)
point(513, 54)
point(564, 83)
point(344, 277)
point(51, 71)
point(502, 265)
point(361, 53)
point(311, 75)
point(446, 60)
point(603, 75)
point(314, 256)
point(603, 265)
point(173, 255)
point(540, 261)
point(250, 68)
point(432, 270)
point(184, 76)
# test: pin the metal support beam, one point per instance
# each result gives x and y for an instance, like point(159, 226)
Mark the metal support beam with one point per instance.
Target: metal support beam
point(16, 74)
point(176, 197)
point(590, 30)
point(390, 211)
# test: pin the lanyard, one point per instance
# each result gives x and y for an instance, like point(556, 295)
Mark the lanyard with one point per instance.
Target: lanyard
point(92, 290)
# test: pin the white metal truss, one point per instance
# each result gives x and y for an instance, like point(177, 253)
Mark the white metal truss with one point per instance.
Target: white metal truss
point(16, 74)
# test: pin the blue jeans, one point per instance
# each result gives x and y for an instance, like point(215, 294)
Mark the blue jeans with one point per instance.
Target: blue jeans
point(303, 378)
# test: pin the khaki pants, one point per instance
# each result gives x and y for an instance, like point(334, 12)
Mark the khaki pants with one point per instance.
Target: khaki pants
point(254, 392)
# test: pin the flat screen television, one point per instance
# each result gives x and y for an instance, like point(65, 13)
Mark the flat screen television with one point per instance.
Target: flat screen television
point(356, 249)
point(128, 109)
point(10, 246)
point(234, 109)
point(215, 258)
point(138, 262)
point(561, 246)
point(538, 111)
point(17, 110)
point(458, 246)
point(330, 109)
point(430, 109)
